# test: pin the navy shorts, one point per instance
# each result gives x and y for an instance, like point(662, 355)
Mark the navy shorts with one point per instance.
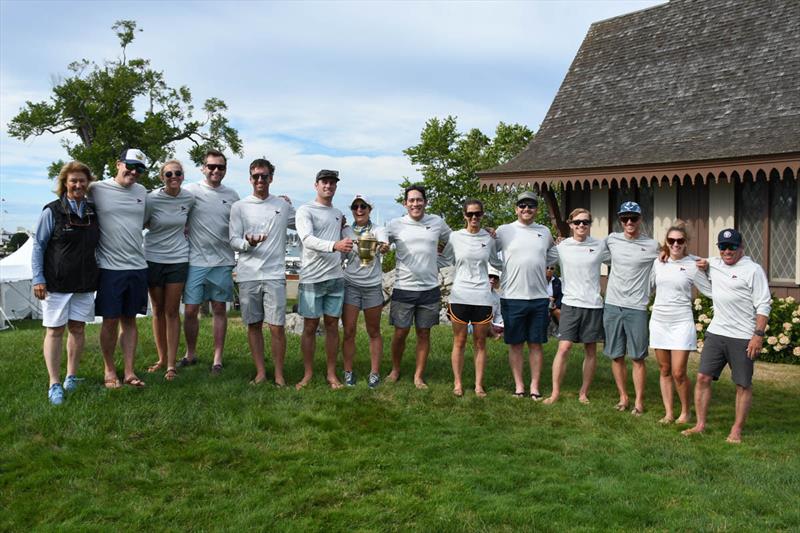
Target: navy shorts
point(121, 293)
point(525, 320)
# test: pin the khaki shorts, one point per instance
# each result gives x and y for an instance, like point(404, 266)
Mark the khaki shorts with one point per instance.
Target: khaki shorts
point(263, 301)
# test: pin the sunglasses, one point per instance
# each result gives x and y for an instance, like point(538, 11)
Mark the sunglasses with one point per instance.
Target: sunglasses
point(256, 177)
point(625, 220)
point(473, 214)
point(356, 207)
point(527, 205)
point(177, 173)
point(675, 241)
point(213, 167)
point(725, 246)
point(138, 167)
point(551, 268)
point(582, 222)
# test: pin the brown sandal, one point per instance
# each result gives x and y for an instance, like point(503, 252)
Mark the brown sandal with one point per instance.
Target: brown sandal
point(155, 367)
point(171, 374)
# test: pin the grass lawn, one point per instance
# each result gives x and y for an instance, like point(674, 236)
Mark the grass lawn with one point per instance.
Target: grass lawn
point(207, 453)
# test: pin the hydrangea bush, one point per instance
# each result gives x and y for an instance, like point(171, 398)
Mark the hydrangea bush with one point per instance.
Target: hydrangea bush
point(782, 342)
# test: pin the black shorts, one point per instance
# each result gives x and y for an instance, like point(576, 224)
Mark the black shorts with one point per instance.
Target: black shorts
point(465, 313)
point(160, 274)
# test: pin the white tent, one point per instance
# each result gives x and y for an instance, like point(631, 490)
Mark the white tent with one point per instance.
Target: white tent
point(16, 291)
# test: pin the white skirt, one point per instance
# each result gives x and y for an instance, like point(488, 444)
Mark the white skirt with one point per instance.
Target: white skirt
point(673, 336)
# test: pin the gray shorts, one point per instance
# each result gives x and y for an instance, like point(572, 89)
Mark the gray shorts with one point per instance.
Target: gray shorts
point(423, 316)
point(363, 297)
point(580, 324)
point(719, 351)
point(625, 329)
point(263, 301)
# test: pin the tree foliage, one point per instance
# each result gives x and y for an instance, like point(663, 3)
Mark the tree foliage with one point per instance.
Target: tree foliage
point(16, 241)
point(449, 160)
point(98, 105)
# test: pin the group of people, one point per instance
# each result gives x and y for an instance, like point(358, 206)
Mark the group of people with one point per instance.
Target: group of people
point(90, 240)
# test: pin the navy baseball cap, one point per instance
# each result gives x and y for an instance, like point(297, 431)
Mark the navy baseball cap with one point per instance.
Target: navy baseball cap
point(729, 236)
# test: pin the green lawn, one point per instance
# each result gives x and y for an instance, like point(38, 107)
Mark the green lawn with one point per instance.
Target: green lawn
point(207, 453)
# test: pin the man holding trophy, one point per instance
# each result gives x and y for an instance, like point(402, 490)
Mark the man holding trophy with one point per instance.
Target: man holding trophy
point(258, 232)
point(363, 289)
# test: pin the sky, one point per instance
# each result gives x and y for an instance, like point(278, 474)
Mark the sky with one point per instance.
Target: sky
point(309, 85)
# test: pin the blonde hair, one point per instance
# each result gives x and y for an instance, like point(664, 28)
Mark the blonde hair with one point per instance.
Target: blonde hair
point(66, 170)
point(167, 163)
point(679, 226)
point(578, 211)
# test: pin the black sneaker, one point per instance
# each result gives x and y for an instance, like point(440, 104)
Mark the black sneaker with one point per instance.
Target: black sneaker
point(349, 378)
point(374, 380)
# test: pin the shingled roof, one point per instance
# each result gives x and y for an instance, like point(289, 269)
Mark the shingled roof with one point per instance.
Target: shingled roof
point(689, 80)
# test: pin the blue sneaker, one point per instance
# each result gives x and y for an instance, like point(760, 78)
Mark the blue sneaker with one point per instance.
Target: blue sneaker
point(349, 379)
point(71, 383)
point(374, 380)
point(56, 394)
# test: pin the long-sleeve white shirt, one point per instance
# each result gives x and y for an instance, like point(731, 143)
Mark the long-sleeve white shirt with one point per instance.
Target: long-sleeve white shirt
point(417, 243)
point(166, 217)
point(673, 282)
point(364, 276)
point(526, 252)
point(740, 292)
point(120, 212)
point(631, 263)
point(471, 254)
point(272, 216)
point(319, 227)
point(580, 271)
point(208, 225)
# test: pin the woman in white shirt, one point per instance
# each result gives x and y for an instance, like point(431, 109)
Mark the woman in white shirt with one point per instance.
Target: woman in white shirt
point(471, 250)
point(672, 329)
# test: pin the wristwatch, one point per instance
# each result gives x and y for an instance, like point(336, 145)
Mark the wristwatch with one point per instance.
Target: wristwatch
point(759, 332)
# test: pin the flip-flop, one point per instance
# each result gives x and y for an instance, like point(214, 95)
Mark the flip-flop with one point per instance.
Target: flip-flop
point(518, 394)
point(185, 361)
point(155, 367)
point(536, 397)
point(621, 407)
point(637, 412)
point(458, 393)
point(216, 370)
point(171, 374)
point(112, 383)
point(134, 382)
point(480, 393)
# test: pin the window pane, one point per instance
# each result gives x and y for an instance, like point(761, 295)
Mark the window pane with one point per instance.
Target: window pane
point(782, 229)
point(752, 214)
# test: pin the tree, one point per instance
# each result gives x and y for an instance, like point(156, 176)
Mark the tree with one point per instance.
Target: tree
point(97, 104)
point(16, 241)
point(449, 160)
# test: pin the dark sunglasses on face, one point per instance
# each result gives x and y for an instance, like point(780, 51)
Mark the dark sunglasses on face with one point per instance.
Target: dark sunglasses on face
point(356, 207)
point(257, 177)
point(625, 220)
point(177, 173)
point(675, 241)
point(136, 166)
point(473, 214)
point(724, 247)
point(551, 268)
point(526, 205)
point(212, 167)
point(582, 222)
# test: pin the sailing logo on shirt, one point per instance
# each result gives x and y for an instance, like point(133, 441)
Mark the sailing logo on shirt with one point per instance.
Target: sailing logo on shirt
point(224, 201)
point(483, 245)
point(591, 250)
point(427, 227)
point(138, 200)
point(277, 211)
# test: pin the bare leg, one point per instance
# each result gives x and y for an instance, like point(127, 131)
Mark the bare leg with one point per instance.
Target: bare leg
point(744, 398)
point(108, 343)
point(423, 349)
point(457, 356)
point(220, 312)
point(535, 357)
point(332, 349)
point(191, 329)
point(620, 371)
point(349, 323)
point(559, 369)
point(682, 383)
point(479, 333)
point(589, 367)
point(159, 327)
point(53, 339)
point(172, 306)
point(278, 345)
point(664, 358)
point(255, 338)
point(308, 344)
point(75, 343)
point(702, 397)
point(515, 362)
point(398, 347)
point(128, 338)
point(639, 380)
point(372, 319)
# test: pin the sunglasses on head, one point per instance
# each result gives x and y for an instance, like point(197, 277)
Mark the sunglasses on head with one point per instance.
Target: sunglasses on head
point(582, 222)
point(679, 240)
point(177, 173)
point(138, 167)
point(256, 177)
point(527, 205)
point(626, 219)
point(473, 214)
point(356, 207)
point(725, 246)
point(213, 167)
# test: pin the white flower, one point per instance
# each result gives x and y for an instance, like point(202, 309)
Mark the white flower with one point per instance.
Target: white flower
point(766, 328)
point(772, 341)
point(790, 299)
point(763, 350)
point(702, 318)
point(796, 320)
point(796, 351)
point(698, 327)
point(707, 321)
point(697, 301)
point(781, 300)
point(698, 307)
point(787, 326)
point(700, 346)
point(783, 339)
point(779, 347)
